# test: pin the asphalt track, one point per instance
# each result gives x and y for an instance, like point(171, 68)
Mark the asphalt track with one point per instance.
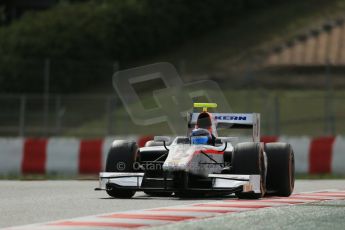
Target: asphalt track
point(29, 202)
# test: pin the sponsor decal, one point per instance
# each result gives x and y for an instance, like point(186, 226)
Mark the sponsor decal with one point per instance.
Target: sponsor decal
point(231, 118)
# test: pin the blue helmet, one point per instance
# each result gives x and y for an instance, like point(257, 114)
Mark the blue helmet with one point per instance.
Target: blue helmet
point(200, 136)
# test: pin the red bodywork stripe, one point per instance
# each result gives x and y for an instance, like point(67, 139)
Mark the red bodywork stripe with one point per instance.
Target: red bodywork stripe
point(320, 155)
point(35, 156)
point(90, 156)
point(211, 151)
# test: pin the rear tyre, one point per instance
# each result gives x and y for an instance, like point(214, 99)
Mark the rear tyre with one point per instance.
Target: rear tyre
point(121, 158)
point(247, 159)
point(280, 169)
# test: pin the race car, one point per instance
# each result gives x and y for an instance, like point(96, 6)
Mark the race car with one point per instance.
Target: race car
point(201, 163)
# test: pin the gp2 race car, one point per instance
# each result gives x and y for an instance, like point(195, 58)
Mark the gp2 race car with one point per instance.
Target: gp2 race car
point(201, 163)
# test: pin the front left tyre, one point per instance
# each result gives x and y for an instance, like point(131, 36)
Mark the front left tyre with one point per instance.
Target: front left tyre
point(249, 159)
point(280, 169)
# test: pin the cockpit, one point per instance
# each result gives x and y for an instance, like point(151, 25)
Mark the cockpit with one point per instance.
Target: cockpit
point(201, 136)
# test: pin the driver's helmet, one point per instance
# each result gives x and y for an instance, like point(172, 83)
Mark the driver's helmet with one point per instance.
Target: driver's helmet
point(200, 136)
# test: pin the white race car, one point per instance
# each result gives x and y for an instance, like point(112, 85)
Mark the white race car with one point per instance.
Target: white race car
point(201, 163)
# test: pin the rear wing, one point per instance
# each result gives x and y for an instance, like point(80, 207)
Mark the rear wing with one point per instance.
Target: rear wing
point(233, 121)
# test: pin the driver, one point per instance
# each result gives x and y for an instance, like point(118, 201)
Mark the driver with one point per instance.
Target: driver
point(203, 128)
point(200, 136)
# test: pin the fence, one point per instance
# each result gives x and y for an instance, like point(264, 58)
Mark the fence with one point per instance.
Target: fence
point(288, 112)
point(34, 115)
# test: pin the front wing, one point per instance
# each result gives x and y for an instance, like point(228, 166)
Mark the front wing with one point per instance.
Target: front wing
point(220, 183)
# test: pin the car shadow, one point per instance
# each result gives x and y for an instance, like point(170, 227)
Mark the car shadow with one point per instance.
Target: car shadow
point(173, 197)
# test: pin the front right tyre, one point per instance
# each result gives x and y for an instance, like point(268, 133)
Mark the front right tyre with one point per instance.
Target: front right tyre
point(121, 158)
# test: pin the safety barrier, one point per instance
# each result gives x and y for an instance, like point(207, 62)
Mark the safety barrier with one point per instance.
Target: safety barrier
point(72, 156)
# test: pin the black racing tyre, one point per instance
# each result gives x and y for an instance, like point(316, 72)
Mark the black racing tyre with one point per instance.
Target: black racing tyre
point(247, 159)
point(153, 193)
point(280, 169)
point(121, 158)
